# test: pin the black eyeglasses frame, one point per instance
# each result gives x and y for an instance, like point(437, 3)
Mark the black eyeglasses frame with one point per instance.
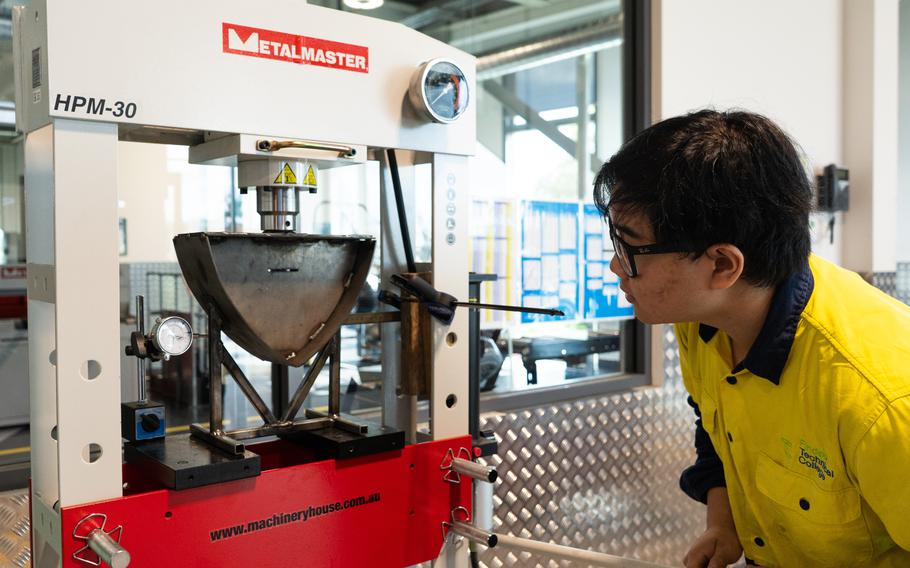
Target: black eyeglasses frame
point(631, 251)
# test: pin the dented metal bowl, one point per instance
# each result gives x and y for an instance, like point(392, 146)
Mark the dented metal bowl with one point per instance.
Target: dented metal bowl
point(281, 297)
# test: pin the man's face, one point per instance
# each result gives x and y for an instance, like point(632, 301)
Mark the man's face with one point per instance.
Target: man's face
point(668, 288)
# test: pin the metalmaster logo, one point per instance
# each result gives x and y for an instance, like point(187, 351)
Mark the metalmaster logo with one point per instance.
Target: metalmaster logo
point(269, 44)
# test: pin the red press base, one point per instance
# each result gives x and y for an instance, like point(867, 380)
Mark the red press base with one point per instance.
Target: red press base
point(384, 510)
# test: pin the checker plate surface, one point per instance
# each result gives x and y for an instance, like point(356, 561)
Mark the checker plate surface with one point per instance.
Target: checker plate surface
point(600, 474)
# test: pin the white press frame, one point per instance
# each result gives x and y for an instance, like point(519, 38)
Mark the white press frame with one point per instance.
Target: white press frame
point(175, 71)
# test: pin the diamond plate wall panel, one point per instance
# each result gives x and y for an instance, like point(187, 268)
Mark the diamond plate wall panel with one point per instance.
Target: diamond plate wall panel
point(15, 549)
point(886, 282)
point(600, 474)
point(902, 282)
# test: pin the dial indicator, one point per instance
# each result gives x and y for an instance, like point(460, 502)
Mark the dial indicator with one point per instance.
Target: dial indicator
point(172, 336)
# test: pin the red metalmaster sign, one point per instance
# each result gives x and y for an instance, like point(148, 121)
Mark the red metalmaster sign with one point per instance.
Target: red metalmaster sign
point(269, 44)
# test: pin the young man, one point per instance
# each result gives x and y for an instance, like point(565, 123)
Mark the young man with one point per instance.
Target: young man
point(798, 371)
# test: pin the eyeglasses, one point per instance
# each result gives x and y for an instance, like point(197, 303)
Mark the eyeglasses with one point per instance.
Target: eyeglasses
point(625, 252)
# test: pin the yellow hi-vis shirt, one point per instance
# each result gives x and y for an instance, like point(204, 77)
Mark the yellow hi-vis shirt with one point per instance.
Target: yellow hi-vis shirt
point(813, 427)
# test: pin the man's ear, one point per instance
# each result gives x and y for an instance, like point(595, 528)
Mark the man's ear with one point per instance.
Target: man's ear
point(727, 262)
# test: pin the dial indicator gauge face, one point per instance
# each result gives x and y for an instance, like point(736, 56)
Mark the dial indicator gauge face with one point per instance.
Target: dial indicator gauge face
point(173, 336)
point(440, 91)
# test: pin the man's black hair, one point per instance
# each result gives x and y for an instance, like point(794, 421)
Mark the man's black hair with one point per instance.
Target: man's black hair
point(714, 177)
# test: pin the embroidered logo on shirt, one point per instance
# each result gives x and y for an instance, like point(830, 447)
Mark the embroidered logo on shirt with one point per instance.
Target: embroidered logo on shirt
point(788, 445)
point(815, 459)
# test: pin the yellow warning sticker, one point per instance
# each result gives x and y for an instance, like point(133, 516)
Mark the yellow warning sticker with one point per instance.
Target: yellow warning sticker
point(287, 175)
point(310, 178)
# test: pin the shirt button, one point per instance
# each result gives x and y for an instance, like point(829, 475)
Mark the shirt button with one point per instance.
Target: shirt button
point(730, 437)
point(731, 380)
point(759, 541)
point(804, 505)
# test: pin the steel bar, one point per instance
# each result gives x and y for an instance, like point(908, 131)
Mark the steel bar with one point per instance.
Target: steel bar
point(216, 379)
point(502, 308)
point(335, 377)
point(248, 390)
point(304, 389)
point(275, 429)
point(566, 552)
point(474, 470)
point(220, 440)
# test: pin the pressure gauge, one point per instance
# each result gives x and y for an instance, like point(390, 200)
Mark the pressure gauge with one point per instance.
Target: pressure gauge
point(439, 90)
point(172, 336)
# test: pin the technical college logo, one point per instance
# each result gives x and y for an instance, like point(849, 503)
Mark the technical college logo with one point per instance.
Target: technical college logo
point(814, 458)
point(268, 44)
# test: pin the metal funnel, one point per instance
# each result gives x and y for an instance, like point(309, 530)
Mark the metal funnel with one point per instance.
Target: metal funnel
point(279, 296)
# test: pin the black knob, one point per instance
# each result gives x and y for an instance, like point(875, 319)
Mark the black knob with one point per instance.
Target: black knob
point(150, 422)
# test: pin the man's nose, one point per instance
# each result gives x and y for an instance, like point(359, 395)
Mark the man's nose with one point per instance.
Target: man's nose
point(615, 268)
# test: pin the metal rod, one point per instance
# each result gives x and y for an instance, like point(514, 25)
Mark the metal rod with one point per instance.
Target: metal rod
point(372, 317)
point(523, 309)
point(475, 534)
point(475, 470)
point(306, 385)
point(140, 362)
point(275, 145)
point(279, 388)
point(215, 377)
point(402, 216)
point(558, 551)
point(108, 549)
point(335, 377)
point(248, 390)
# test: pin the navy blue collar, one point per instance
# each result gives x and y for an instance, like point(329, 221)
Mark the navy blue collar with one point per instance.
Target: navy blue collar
point(771, 349)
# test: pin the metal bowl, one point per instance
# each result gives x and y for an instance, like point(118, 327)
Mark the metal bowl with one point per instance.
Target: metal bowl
point(281, 297)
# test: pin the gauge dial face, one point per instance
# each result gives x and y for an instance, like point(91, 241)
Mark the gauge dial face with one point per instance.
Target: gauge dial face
point(173, 336)
point(444, 90)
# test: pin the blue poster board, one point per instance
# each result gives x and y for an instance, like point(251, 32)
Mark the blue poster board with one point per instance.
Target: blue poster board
point(549, 259)
point(602, 296)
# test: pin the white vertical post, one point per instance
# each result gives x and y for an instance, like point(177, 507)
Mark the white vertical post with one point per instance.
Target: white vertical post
point(74, 344)
point(870, 133)
point(449, 390)
point(583, 72)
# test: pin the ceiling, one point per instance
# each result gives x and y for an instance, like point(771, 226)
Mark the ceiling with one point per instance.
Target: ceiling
point(480, 27)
